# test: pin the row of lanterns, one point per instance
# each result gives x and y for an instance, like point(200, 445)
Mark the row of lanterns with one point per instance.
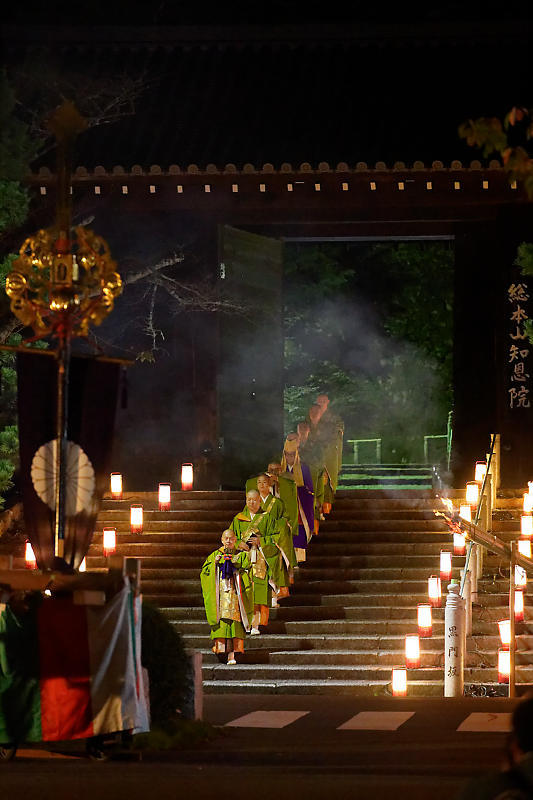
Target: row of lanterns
point(187, 481)
point(109, 536)
point(425, 610)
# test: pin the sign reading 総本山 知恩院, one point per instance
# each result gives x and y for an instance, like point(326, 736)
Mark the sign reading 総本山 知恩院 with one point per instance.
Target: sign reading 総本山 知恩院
point(519, 348)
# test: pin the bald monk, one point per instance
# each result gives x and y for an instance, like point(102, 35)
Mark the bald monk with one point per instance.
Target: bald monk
point(254, 529)
point(228, 599)
point(330, 430)
point(311, 453)
point(282, 557)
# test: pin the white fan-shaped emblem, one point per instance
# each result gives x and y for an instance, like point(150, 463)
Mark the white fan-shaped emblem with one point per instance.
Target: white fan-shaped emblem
point(79, 480)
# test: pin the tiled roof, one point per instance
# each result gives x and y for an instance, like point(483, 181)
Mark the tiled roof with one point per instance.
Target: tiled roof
point(347, 95)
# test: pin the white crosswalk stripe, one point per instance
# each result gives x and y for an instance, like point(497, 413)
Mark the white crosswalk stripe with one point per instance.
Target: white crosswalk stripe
point(266, 719)
point(486, 722)
point(376, 721)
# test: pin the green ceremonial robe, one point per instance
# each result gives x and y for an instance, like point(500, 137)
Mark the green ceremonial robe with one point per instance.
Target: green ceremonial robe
point(273, 506)
point(264, 526)
point(223, 608)
point(312, 455)
point(288, 493)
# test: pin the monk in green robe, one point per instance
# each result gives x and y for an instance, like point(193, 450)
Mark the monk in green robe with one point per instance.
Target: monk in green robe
point(280, 557)
point(312, 454)
point(331, 434)
point(255, 529)
point(228, 596)
point(283, 486)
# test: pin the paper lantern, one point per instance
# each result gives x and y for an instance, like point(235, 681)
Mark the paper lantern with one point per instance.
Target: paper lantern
point(187, 477)
point(465, 512)
point(459, 544)
point(434, 591)
point(29, 557)
point(83, 566)
point(480, 471)
point(520, 576)
point(164, 496)
point(399, 682)
point(524, 547)
point(504, 665)
point(109, 541)
point(116, 486)
point(518, 605)
point(412, 651)
point(505, 633)
point(528, 503)
point(526, 525)
point(424, 619)
point(136, 519)
point(445, 565)
point(472, 493)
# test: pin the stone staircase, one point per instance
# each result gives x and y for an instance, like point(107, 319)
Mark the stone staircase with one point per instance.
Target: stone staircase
point(386, 476)
point(342, 629)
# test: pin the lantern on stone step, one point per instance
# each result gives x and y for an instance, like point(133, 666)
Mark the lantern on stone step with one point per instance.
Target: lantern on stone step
point(528, 503)
point(424, 620)
point(504, 626)
point(412, 651)
point(136, 519)
point(445, 565)
point(480, 471)
point(109, 541)
point(526, 525)
point(472, 493)
point(520, 576)
point(116, 486)
point(434, 591)
point(164, 496)
point(83, 566)
point(465, 512)
point(524, 547)
point(504, 665)
point(399, 682)
point(518, 605)
point(187, 477)
point(29, 557)
point(459, 544)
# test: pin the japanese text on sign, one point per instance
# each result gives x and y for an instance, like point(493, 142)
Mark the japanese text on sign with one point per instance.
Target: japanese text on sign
point(519, 349)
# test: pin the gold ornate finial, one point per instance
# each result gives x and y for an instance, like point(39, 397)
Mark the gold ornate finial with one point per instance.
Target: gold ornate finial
point(64, 279)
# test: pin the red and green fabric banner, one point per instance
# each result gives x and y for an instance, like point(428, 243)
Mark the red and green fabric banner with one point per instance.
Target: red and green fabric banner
point(70, 671)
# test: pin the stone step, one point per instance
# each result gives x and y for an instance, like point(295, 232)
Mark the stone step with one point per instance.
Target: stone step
point(354, 688)
point(386, 469)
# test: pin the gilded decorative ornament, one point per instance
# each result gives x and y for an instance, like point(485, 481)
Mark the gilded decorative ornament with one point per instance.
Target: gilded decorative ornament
point(56, 282)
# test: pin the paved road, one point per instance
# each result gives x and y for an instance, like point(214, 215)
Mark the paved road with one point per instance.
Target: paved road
point(426, 751)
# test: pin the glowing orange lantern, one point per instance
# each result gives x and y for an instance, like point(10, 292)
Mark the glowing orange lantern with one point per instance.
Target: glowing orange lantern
point(480, 471)
point(136, 519)
point(412, 651)
point(524, 547)
point(434, 591)
point(116, 486)
point(528, 503)
point(472, 493)
point(424, 619)
point(186, 477)
point(459, 544)
point(445, 565)
point(520, 576)
point(399, 682)
point(526, 525)
point(164, 496)
point(465, 512)
point(109, 541)
point(504, 665)
point(29, 557)
point(518, 605)
point(505, 633)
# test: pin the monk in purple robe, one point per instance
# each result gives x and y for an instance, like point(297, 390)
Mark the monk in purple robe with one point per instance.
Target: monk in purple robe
point(305, 496)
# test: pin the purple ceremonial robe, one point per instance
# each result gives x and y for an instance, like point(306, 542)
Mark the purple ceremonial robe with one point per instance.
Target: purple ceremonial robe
point(306, 505)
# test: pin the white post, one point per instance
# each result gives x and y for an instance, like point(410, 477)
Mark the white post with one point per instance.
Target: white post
point(467, 596)
point(454, 642)
point(472, 568)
